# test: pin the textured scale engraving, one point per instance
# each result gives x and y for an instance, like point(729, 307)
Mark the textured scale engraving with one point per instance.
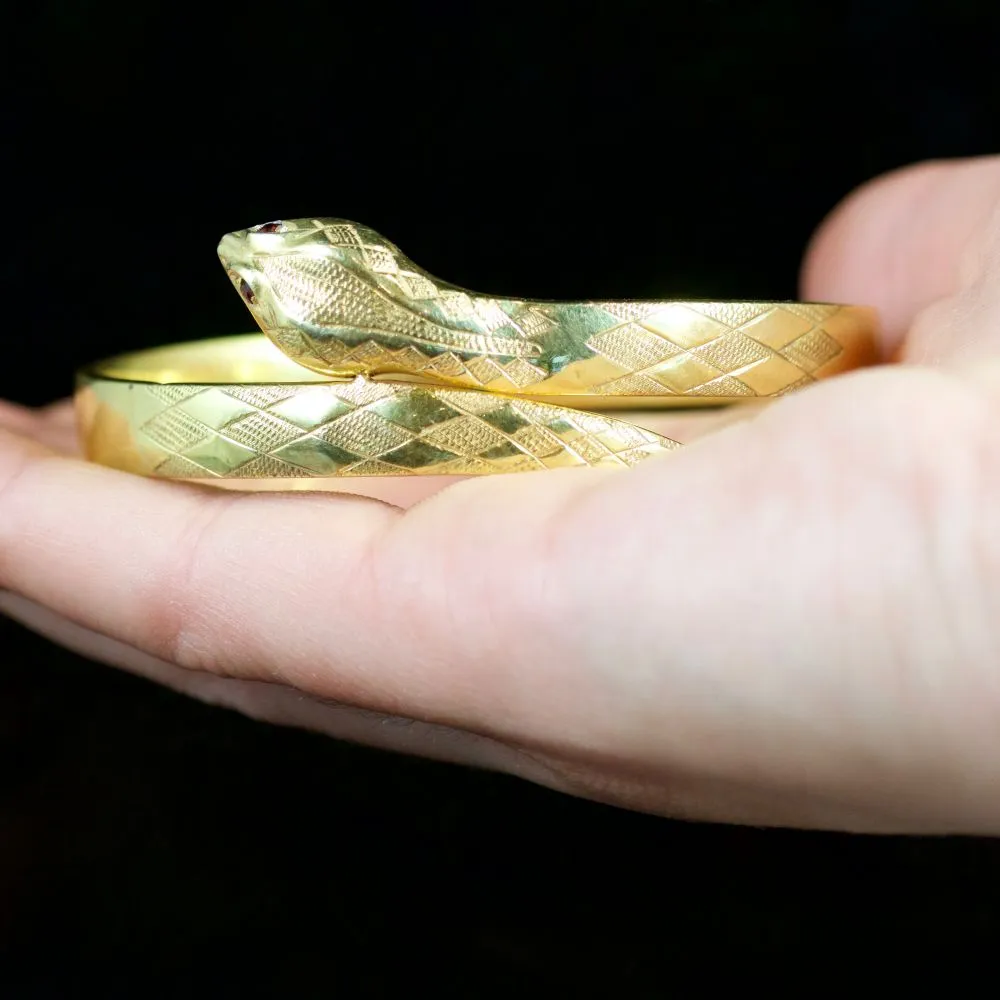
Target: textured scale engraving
point(732, 352)
point(341, 299)
point(812, 350)
point(374, 428)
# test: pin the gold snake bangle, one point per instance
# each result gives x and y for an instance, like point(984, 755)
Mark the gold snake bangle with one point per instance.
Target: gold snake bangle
point(370, 366)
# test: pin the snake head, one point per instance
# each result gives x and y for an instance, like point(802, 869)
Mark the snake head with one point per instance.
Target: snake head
point(340, 299)
point(309, 281)
point(251, 258)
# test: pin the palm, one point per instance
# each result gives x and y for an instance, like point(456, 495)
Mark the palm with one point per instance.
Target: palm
point(756, 628)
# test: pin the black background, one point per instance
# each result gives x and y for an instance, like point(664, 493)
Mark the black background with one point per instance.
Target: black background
point(152, 846)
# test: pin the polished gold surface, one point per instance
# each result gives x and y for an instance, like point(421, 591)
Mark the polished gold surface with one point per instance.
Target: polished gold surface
point(371, 367)
point(340, 299)
point(235, 408)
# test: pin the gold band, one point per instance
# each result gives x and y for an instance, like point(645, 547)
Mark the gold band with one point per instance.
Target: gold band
point(236, 408)
point(373, 367)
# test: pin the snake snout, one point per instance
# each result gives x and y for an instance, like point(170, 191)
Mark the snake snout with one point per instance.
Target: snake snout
point(233, 249)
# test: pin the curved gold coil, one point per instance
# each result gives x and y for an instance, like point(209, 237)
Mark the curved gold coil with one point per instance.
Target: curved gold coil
point(372, 367)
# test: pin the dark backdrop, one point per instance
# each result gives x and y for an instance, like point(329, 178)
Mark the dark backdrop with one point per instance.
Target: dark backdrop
point(153, 846)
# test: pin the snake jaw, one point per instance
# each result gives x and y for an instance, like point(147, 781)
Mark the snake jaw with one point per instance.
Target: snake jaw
point(238, 251)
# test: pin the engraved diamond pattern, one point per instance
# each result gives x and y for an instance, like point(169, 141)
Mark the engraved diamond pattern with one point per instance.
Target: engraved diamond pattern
point(748, 335)
point(362, 432)
point(415, 324)
point(374, 428)
point(812, 350)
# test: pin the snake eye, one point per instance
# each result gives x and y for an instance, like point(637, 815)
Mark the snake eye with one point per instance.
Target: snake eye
point(271, 227)
point(247, 292)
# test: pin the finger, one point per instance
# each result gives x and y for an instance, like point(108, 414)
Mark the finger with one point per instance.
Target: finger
point(260, 586)
point(274, 703)
point(964, 328)
point(13, 415)
point(53, 425)
point(904, 240)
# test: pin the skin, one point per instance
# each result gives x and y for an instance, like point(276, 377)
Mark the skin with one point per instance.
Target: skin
point(793, 621)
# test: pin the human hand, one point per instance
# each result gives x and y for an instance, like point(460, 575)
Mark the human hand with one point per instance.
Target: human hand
point(795, 620)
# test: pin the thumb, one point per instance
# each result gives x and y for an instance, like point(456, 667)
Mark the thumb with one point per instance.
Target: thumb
point(965, 327)
point(905, 241)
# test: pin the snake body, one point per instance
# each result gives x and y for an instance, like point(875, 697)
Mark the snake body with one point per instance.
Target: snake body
point(342, 300)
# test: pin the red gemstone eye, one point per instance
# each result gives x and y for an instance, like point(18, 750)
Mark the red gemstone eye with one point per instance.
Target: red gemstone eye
point(247, 292)
point(270, 227)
